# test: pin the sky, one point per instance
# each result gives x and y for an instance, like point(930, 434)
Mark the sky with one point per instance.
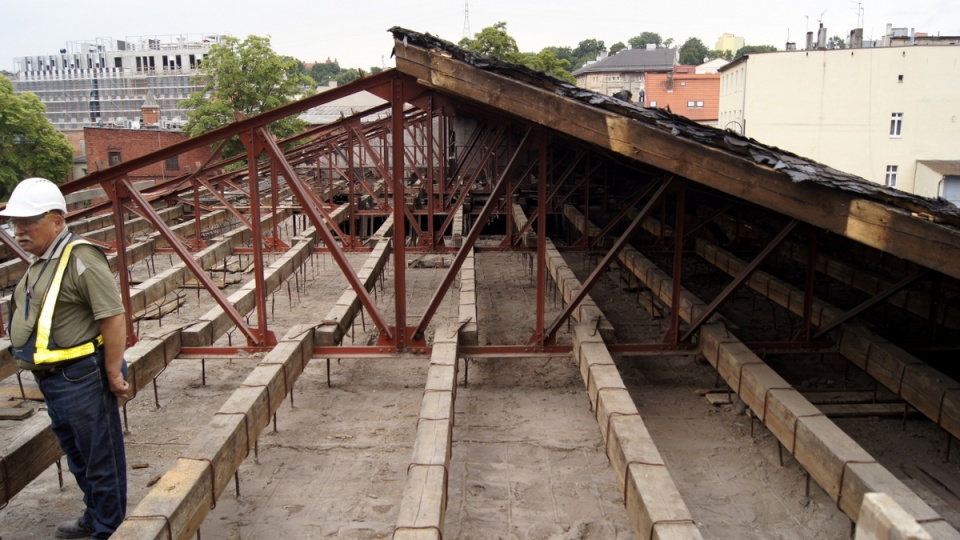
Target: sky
point(355, 33)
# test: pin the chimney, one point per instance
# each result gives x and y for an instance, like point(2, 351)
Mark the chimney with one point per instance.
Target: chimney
point(791, 46)
point(150, 111)
point(822, 37)
point(809, 40)
point(856, 38)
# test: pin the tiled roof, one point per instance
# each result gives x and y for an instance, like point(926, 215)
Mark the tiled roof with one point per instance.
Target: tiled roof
point(633, 60)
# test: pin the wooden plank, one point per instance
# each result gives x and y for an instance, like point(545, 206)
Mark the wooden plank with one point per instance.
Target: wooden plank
point(29, 392)
point(16, 413)
point(892, 230)
point(651, 498)
point(838, 464)
point(183, 497)
point(856, 410)
point(423, 504)
point(927, 390)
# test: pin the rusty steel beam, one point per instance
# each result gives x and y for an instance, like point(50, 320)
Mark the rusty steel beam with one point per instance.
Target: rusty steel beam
point(615, 250)
point(626, 209)
point(317, 216)
point(150, 214)
point(254, 147)
point(680, 205)
point(893, 289)
point(399, 217)
point(741, 279)
point(469, 241)
point(541, 240)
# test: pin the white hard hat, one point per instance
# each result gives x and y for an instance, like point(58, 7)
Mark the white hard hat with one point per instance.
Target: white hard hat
point(34, 196)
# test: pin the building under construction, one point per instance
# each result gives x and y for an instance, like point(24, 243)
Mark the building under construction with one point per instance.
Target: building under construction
point(501, 306)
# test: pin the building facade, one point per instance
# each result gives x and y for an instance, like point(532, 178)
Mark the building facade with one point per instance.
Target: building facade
point(729, 42)
point(626, 71)
point(106, 147)
point(879, 113)
point(106, 81)
point(696, 96)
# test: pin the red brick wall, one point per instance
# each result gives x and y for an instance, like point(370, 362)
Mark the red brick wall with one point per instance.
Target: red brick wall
point(686, 88)
point(132, 143)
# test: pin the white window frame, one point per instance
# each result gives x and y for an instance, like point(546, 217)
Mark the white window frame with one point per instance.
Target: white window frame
point(896, 124)
point(890, 180)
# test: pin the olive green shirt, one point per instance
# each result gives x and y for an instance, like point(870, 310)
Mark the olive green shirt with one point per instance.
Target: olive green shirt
point(88, 293)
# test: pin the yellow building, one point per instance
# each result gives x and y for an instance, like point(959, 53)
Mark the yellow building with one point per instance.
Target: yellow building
point(729, 42)
point(888, 115)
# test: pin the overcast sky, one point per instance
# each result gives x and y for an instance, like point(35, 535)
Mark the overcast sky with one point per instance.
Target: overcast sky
point(355, 32)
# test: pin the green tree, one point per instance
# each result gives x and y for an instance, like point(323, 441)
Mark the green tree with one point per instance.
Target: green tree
point(693, 52)
point(494, 41)
point(587, 50)
point(617, 47)
point(562, 53)
point(547, 62)
point(324, 72)
point(725, 54)
point(346, 76)
point(836, 42)
point(750, 49)
point(248, 77)
point(29, 146)
point(644, 39)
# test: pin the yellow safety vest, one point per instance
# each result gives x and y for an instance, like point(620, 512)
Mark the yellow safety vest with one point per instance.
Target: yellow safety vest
point(42, 354)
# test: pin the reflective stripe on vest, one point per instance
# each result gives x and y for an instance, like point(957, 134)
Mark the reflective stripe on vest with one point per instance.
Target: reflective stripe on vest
point(43, 355)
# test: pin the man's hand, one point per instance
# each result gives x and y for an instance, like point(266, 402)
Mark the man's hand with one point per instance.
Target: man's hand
point(118, 385)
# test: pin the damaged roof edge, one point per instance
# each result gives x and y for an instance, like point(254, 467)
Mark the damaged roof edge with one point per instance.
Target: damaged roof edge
point(796, 168)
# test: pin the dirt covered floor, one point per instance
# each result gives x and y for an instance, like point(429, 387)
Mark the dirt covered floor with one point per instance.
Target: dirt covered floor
point(527, 463)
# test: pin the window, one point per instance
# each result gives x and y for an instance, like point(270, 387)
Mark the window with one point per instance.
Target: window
point(173, 163)
point(891, 178)
point(695, 104)
point(896, 124)
point(114, 158)
point(653, 103)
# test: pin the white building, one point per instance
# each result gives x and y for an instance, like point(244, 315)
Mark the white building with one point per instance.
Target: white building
point(890, 115)
point(105, 81)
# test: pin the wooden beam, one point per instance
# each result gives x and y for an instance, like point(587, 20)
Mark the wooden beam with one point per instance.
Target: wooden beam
point(889, 229)
point(176, 506)
point(834, 460)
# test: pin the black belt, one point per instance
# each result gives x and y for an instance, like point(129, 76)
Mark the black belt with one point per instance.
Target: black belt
point(41, 374)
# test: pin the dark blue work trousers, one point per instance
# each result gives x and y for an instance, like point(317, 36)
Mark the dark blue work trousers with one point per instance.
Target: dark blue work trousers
point(84, 416)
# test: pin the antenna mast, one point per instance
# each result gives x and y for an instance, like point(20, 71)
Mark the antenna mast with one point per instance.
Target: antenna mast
point(466, 19)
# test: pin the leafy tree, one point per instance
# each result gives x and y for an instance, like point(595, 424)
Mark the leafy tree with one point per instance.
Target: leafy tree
point(324, 72)
point(245, 76)
point(693, 52)
point(347, 76)
point(667, 43)
point(725, 54)
point(617, 47)
point(374, 70)
point(563, 53)
point(494, 41)
point(644, 39)
point(29, 146)
point(836, 42)
point(547, 62)
point(750, 49)
point(587, 50)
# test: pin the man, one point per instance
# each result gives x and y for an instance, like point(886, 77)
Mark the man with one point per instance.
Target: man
point(67, 327)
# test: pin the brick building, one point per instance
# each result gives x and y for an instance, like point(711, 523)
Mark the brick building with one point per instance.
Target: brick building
point(108, 146)
point(684, 92)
